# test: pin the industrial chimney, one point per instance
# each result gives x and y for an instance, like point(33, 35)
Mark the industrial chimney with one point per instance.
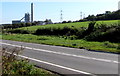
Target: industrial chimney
point(119, 5)
point(31, 12)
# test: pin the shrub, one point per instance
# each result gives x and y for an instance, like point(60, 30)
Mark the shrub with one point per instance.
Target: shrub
point(12, 66)
point(81, 33)
point(55, 31)
point(101, 27)
point(111, 33)
point(8, 58)
point(84, 32)
point(72, 37)
point(91, 27)
point(74, 44)
point(118, 47)
point(20, 31)
point(109, 45)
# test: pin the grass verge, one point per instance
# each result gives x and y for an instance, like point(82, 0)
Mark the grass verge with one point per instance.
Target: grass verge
point(60, 41)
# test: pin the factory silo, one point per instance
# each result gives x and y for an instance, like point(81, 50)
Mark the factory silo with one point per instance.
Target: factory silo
point(27, 17)
point(31, 12)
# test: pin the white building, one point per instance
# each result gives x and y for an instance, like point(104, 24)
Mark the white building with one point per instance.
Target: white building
point(41, 23)
point(48, 21)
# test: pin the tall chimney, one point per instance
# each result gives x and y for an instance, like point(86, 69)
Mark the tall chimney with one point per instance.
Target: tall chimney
point(31, 12)
point(119, 5)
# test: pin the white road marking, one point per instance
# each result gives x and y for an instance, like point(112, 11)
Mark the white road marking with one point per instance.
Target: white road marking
point(84, 50)
point(61, 53)
point(52, 64)
point(73, 49)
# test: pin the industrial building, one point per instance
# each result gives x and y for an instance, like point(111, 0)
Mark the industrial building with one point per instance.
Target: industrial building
point(16, 21)
point(29, 18)
point(47, 21)
point(26, 17)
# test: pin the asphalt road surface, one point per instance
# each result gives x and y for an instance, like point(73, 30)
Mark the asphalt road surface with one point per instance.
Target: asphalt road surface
point(68, 61)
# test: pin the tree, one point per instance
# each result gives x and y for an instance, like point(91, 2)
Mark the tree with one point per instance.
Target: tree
point(91, 18)
point(64, 22)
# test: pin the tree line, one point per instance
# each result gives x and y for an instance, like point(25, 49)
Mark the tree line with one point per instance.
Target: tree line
point(13, 26)
point(108, 15)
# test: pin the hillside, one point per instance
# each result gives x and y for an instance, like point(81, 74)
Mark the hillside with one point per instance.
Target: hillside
point(99, 36)
point(71, 25)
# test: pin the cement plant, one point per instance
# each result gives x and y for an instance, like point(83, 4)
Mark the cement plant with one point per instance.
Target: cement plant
point(28, 18)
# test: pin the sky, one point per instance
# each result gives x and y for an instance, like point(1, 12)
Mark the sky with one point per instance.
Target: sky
point(50, 9)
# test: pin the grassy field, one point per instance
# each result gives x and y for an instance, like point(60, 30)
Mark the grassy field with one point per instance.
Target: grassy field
point(71, 25)
point(64, 40)
point(59, 41)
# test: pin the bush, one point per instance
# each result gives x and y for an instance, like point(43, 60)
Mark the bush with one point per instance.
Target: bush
point(91, 27)
point(72, 37)
point(12, 66)
point(118, 47)
point(94, 36)
point(104, 33)
point(20, 31)
point(109, 45)
point(70, 33)
point(56, 31)
point(84, 32)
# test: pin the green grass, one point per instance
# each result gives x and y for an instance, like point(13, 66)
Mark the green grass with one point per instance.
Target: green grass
point(71, 25)
point(54, 40)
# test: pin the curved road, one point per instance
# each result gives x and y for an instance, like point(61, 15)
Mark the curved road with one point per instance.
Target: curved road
point(68, 61)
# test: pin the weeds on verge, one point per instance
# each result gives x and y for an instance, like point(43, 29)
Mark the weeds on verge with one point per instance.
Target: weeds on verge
point(12, 65)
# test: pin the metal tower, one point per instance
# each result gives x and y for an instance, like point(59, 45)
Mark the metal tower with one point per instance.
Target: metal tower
point(80, 15)
point(84, 15)
point(61, 16)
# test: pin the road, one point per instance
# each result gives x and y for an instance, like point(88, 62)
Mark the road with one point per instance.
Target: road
point(67, 61)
